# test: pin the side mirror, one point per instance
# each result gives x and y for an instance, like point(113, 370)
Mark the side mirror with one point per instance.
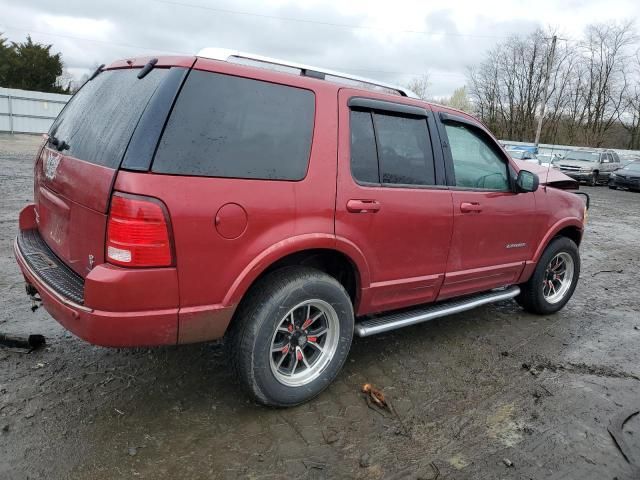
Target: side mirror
point(527, 181)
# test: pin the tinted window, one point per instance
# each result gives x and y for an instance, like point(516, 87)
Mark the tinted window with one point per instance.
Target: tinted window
point(476, 164)
point(225, 126)
point(404, 150)
point(98, 121)
point(364, 157)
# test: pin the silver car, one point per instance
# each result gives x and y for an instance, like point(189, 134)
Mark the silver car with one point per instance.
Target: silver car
point(591, 166)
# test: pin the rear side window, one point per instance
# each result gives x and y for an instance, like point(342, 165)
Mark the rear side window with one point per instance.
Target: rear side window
point(391, 149)
point(99, 120)
point(226, 126)
point(404, 150)
point(364, 157)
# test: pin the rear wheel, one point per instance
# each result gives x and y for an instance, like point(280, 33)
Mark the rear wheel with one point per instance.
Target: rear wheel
point(291, 336)
point(554, 279)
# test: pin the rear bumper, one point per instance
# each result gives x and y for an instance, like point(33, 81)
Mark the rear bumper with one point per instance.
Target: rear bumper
point(117, 307)
point(99, 327)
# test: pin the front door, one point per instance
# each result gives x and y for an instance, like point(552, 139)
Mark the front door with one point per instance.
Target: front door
point(392, 201)
point(493, 227)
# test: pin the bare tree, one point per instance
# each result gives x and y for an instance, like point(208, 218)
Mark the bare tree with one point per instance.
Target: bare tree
point(593, 92)
point(630, 115)
point(605, 55)
point(459, 100)
point(420, 86)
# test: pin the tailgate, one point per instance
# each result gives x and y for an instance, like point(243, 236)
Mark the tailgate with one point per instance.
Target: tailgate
point(73, 184)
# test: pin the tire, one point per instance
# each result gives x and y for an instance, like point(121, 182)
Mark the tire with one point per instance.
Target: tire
point(262, 335)
point(532, 293)
point(613, 187)
point(593, 181)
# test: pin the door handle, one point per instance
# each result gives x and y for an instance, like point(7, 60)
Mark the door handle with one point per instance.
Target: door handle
point(470, 207)
point(363, 206)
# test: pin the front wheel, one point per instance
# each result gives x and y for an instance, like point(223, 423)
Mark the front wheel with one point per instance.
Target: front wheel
point(594, 179)
point(554, 279)
point(291, 336)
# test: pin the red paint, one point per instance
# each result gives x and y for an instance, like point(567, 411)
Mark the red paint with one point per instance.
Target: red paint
point(71, 205)
point(407, 245)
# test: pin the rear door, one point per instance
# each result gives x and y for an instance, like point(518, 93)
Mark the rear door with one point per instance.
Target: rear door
point(494, 229)
point(391, 199)
point(73, 179)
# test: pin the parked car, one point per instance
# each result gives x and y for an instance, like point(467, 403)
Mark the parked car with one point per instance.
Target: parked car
point(626, 159)
point(591, 166)
point(522, 155)
point(548, 159)
point(186, 199)
point(626, 177)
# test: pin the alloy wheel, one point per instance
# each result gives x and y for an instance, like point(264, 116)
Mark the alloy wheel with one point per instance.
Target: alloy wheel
point(304, 342)
point(558, 277)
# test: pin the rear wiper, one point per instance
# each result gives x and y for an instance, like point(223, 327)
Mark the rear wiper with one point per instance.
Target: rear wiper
point(59, 144)
point(96, 72)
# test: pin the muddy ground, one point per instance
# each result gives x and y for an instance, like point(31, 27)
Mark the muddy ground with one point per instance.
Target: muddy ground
point(490, 394)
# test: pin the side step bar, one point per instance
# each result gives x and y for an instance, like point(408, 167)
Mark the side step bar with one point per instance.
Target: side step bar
point(386, 323)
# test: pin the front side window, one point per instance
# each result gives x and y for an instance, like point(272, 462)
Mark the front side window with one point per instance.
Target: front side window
point(476, 164)
point(226, 126)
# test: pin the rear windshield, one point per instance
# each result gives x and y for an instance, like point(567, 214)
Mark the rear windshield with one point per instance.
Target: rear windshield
point(226, 126)
point(98, 121)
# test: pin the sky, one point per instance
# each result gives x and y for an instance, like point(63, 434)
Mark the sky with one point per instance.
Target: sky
point(392, 41)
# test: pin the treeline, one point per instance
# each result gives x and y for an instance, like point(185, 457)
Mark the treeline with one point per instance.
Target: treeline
point(31, 66)
point(594, 88)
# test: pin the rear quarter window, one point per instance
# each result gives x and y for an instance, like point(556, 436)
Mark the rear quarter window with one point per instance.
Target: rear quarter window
point(226, 126)
point(99, 120)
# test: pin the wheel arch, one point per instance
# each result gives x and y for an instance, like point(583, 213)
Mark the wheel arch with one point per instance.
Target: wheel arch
point(571, 228)
point(336, 256)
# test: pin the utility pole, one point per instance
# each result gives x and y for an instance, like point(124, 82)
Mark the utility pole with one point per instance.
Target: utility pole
point(545, 90)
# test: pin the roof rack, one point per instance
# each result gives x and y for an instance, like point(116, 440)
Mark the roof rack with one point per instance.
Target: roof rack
point(225, 54)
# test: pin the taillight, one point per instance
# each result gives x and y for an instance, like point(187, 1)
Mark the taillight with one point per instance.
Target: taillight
point(138, 232)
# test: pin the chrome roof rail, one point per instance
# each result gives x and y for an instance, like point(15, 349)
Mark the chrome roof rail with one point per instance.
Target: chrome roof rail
point(226, 54)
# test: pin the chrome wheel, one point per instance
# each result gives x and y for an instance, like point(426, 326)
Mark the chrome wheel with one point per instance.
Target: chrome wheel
point(304, 342)
point(558, 277)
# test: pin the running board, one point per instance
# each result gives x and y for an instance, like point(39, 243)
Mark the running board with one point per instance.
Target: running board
point(386, 323)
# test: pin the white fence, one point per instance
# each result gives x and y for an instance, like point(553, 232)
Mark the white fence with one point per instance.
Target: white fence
point(23, 111)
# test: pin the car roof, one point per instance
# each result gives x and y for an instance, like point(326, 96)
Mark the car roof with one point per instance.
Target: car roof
point(305, 81)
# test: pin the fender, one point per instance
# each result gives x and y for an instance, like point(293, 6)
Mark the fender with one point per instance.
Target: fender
point(551, 233)
point(296, 244)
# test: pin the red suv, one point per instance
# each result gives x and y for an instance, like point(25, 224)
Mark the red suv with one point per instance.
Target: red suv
point(186, 199)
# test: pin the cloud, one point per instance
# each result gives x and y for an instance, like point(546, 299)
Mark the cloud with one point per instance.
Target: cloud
point(391, 42)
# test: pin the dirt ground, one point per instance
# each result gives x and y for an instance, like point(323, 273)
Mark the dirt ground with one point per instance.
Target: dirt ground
point(494, 393)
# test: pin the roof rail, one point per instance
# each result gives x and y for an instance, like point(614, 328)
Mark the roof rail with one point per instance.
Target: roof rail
point(226, 54)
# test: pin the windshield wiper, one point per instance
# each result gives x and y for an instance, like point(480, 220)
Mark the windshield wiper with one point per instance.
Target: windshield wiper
point(96, 72)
